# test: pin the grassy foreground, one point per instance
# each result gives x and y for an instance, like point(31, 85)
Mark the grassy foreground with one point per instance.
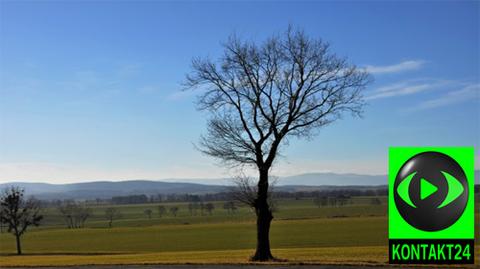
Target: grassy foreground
point(324, 240)
point(301, 233)
point(310, 233)
point(329, 255)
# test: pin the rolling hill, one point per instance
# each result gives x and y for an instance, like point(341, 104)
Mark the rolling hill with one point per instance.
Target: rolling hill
point(108, 189)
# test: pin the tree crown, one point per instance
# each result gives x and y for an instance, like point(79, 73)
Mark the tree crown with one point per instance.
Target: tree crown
point(259, 94)
point(17, 212)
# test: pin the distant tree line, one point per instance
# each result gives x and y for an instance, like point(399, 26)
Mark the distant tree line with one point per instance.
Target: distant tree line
point(340, 200)
point(230, 207)
point(227, 196)
point(198, 199)
point(130, 199)
point(194, 207)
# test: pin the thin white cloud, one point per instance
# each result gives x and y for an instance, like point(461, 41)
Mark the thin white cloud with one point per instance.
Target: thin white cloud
point(395, 68)
point(406, 88)
point(183, 94)
point(467, 93)
point(398, 90)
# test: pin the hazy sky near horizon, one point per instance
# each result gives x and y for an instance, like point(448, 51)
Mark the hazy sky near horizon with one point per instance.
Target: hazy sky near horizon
point(90, 90)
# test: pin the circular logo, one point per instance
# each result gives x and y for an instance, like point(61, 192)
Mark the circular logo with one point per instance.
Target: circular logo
point(431, 191)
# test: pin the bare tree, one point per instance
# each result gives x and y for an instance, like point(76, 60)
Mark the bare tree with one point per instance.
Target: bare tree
point(148, 212)
point(230, 207)
point(375, 201)
point(112, 214)
point(193, 208)
point(1, 223)
point(174, 210)
point(333, 201)
point(75, 214)
point(209, 207)
point(245, 191)
point(82, 214)
point(342, 200)
point(18, 214)
point(161, 210)
point(320, 200)
point(67, 211)
point(202, 208)
point(260, 95)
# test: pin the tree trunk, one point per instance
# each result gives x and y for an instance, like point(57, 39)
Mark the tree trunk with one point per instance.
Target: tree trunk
point(19, 247)
point(264, 218)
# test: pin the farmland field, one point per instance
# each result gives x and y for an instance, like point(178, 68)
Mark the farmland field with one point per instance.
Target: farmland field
point(301, 232)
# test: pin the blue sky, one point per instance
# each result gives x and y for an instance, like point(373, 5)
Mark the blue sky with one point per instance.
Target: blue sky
point(91, 90)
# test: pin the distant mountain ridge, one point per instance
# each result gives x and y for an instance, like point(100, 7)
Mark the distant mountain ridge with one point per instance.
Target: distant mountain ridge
point(108, 189)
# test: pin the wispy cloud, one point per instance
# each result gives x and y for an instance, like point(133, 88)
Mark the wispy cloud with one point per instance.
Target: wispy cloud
point(406, 88)
point(183, 94)
point(467, 93)
point(448, 92)
point(395, 68)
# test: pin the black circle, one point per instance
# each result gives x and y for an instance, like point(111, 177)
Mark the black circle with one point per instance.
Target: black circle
point(426, 215)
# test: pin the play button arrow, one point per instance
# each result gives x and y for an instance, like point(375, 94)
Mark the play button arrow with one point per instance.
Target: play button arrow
point(426, 188)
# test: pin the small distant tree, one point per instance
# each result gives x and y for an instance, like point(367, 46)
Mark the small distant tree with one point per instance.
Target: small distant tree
point(375, 201)
point(332, 201)
point(320, 201)
point(202, 208)
point(343, 200)
point(83, 214)
point(246, 192)
point(2, 225)
point(226, 207)
point(209, 207)
point(112, 214)
point(148, 212)
point(190, 208)
point(196, 207)
point(193, 208)
point(230, 207)
point(18, 214)
point(161, 210)
point(74, 214)
point(67, 211)
point(174, 210)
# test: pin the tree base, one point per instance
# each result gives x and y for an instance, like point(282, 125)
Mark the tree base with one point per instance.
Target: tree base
point(256, 258)
point(264, 257)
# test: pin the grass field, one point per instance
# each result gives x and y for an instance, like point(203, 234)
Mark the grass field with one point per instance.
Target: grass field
point(301, 232)
point(349, 256)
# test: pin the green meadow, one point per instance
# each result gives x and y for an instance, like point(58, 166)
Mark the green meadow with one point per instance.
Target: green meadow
point(301, 232)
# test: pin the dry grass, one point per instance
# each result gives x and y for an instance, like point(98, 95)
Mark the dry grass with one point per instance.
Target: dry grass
point(329, 255)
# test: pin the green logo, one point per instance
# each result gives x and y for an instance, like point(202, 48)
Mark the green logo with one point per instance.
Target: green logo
point(431, 198)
